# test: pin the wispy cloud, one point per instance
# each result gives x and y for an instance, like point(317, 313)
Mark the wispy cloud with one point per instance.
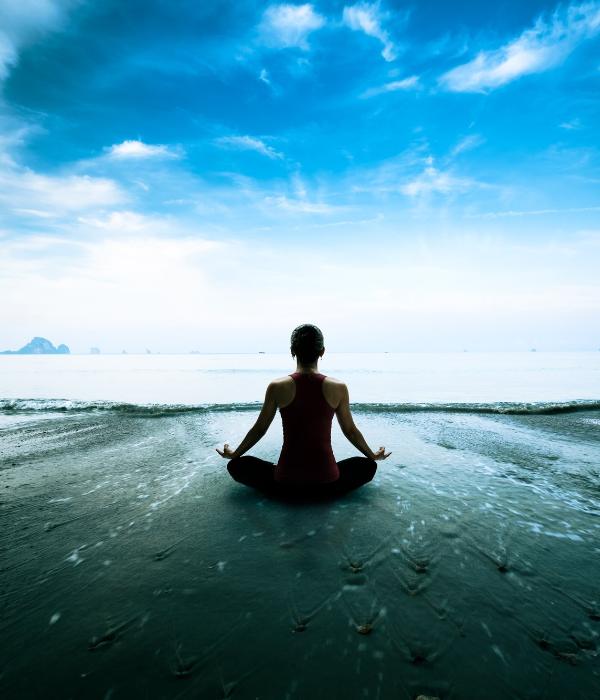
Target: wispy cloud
point(286, 26)
point(468, 143)
point(572, 125)
point(138, 149)
point(544, 46)
point(511, 213)
point(55, 195)
point(409, 83)
point(123, 221)
point(248, 143)
point(432, 180)
point(300, 205)
point(368, 18)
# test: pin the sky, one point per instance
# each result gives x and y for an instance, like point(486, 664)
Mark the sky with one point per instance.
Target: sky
point(410, 176)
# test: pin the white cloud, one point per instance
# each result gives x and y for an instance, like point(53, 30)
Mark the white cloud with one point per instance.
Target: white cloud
point(139, 149)
point(57, 194)
point(572, 125)
point(285, 26)
point(300, 205)
point(35, 213)
point(367, 18)
point(22, 22)
point(249, 143)
point(122, 221)
point(263, 76)
point(133, 223)
point(510, 213)
point(545, 45)
point(467, 144)
point(433, 180)
point(409, 83)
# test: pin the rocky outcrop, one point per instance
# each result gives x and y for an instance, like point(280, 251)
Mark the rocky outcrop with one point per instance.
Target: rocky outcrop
point(39, 346)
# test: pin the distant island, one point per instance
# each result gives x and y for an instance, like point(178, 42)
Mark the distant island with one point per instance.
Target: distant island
point(39, 346)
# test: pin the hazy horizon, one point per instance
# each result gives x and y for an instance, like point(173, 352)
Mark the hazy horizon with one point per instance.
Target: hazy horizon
point(140, 350)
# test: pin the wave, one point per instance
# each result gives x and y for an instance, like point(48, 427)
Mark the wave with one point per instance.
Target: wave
point(14, 406)
point(151, 409)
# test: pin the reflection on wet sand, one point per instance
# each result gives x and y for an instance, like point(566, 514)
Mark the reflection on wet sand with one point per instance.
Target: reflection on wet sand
point(134, 567)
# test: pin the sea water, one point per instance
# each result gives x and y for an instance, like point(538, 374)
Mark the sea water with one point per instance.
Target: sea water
point(467, 568)
point(384, 378)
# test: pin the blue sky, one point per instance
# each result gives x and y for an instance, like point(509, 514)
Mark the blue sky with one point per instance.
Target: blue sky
point(411, 176)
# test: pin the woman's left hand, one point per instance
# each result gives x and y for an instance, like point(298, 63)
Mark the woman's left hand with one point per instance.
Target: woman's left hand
point(226, 452)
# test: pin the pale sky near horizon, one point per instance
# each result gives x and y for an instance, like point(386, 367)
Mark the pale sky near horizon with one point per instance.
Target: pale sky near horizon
point(408, 176)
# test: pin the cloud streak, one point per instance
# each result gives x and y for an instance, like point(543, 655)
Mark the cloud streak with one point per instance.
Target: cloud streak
point(367, 18)
point(410, 83)
point(468, 143)
point(300, 205)
point(533, 212)
point(546, 45)
point(249, 143)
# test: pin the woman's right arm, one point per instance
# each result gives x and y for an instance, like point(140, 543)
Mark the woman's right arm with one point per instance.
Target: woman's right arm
point(350, 430)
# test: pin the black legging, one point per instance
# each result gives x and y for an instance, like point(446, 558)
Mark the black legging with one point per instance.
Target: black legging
point(258, 473)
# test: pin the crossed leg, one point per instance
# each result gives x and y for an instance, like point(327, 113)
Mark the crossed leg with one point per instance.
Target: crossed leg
point(258, 473)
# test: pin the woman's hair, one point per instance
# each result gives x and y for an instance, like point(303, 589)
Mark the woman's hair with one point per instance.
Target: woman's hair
point(307, 343)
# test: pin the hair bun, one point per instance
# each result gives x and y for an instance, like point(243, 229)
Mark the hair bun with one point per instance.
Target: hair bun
point(307, 343)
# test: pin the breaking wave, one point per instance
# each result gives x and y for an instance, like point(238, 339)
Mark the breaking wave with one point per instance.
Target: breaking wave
point(156, 410)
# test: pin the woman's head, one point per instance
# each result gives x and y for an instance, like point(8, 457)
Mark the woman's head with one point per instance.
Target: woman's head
point(307, 343)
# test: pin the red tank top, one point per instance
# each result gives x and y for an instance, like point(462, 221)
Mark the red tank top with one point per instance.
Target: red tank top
point(306, 456)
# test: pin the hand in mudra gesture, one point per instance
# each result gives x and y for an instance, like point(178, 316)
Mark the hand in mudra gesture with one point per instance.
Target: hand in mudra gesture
point(381, 454)
point(226, 452)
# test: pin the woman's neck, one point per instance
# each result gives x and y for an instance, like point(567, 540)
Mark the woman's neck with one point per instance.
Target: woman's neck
point(307, 369)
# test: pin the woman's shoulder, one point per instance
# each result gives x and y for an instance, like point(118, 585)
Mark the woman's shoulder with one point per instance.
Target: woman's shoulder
point(282, 380)
point(281, 384)
point(283, 390)
point(333, 381)
point(333, 391)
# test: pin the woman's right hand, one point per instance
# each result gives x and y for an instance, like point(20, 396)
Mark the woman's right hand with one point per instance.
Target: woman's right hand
point(381, 454)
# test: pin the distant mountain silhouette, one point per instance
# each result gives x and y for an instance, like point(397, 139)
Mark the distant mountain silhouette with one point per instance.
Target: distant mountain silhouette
point(39, 346)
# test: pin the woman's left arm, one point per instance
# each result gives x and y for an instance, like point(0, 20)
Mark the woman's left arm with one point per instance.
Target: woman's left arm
point(264, 420)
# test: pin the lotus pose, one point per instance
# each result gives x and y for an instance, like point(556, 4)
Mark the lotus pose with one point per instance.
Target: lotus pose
point(307, 401)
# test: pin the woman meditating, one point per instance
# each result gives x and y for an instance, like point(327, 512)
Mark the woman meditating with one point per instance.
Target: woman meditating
point(307, 401)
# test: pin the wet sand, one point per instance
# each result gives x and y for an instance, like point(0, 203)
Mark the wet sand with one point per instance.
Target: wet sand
point(132, 566)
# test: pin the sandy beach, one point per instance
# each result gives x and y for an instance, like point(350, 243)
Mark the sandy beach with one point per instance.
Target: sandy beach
point(132, 566)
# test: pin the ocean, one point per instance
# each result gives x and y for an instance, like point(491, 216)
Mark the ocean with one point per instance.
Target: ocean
point(386, 378)
point(133, 566)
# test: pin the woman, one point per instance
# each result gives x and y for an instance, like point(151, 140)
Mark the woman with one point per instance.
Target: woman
point(307, 401)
